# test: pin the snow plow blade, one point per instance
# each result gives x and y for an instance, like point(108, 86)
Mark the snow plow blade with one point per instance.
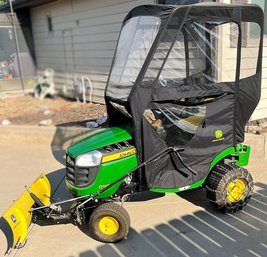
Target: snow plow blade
point(16, 220)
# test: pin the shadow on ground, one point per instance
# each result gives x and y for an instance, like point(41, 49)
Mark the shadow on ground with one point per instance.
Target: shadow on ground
point(202, 233)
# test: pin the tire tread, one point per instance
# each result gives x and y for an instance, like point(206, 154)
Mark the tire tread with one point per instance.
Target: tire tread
point(114, 210)
point(217, 182)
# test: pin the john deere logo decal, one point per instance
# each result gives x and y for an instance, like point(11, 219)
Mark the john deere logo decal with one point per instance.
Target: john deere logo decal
point(119, 155)
point(218, 136)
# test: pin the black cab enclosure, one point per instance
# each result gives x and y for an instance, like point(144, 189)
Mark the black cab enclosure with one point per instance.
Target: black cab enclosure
point(183, 77)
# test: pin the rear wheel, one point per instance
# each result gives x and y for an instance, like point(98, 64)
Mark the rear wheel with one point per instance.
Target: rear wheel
point(109, 223)
point(229, 187)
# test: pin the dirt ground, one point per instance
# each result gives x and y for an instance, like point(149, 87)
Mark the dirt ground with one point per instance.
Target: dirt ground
point(26, 110)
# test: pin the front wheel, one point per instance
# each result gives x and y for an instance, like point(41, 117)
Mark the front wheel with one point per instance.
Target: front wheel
point(229, 187)
point(109, 223)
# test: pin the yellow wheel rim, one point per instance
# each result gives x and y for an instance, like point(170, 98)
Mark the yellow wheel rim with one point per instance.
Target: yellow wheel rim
point(108, 225)
point(236, 190)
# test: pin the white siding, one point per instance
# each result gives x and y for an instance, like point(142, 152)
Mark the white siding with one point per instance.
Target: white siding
point(83, 40)
point(261, 110)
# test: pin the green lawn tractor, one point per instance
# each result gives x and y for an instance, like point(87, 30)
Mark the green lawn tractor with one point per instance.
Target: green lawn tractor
point(183, 83)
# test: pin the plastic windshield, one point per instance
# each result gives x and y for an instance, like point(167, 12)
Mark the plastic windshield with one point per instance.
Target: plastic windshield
point(136, 39)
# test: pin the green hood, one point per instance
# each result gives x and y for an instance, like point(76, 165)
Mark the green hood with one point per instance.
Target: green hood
point(97, 140)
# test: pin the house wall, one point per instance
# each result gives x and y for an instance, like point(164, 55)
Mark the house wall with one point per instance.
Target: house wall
point(248, 64)
point(82, 42)
point(84, 37)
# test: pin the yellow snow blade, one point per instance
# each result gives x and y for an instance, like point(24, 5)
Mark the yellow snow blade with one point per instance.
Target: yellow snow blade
point(17, 219)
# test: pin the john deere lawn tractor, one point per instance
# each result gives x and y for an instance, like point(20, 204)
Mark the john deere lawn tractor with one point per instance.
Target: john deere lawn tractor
point(183, 83)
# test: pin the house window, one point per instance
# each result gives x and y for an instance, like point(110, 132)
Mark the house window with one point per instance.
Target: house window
point(251, 31)
point(49, 23)
point(263, 5)
point(249, 52)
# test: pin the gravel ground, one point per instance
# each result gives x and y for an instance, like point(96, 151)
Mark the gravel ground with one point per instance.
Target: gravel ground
point(26, 110)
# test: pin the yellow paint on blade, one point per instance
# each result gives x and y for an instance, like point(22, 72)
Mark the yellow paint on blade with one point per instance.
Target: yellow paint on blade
point(18, 216)
point(119, 155)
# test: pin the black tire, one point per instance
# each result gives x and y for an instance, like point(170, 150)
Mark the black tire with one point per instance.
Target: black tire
point(229, 187)
point(106, 214)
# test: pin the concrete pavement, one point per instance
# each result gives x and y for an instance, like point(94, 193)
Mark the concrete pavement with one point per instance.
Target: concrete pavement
point(66, 135)
point(171, 225)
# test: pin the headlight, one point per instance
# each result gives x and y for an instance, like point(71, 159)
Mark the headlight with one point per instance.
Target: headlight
point(89, 159)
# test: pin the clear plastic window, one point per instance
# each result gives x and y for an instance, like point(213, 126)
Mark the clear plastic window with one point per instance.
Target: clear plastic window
point(175, 65)
point(226, 55)
point(159, 57)
point(250, 48)
point(201, 53)
point(176, 124)
point(136, 39)
point(209, 48)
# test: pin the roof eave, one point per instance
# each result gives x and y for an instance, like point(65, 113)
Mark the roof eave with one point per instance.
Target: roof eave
point(20, 4)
